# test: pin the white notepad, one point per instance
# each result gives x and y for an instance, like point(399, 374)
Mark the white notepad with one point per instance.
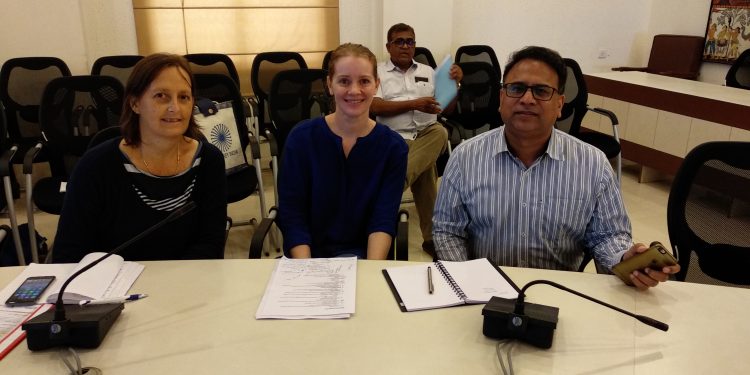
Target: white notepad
point(455, 283)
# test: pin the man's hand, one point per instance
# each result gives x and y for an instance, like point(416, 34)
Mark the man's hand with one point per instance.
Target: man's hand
point(648, 278)
point(456, 73)
point(427, 104)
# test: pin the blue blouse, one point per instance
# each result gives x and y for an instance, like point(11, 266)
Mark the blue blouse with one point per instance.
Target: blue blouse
point(331, 202)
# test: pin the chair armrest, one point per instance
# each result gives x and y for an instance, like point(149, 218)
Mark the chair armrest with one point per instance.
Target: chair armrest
point(6, 160)
point(261, 231)
point(253, 145)
point(272, 144)
point(28, 159)
point(612, 118)
point(402, 236)
point(630, 69)
point(453, 125)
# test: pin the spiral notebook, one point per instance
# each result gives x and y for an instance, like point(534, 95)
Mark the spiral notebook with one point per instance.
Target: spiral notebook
point(454, 283)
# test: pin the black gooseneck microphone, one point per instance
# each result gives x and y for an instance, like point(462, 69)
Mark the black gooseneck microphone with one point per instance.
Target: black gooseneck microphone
point(84, 326)
point(514, 318)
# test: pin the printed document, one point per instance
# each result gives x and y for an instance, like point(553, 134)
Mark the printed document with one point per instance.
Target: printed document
point(319, 288)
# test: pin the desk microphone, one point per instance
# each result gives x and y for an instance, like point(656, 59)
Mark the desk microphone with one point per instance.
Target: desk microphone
point(535, 324)
point(84, 326)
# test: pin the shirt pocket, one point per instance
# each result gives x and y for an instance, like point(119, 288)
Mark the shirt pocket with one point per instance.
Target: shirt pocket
point(425, 89)
point(563, 220)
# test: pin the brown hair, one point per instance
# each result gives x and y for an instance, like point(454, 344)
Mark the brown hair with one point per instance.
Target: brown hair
point(143, 74)
point(351, 49)
point(397, 28)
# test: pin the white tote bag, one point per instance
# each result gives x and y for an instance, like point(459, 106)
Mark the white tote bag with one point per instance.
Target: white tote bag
point(218, 125)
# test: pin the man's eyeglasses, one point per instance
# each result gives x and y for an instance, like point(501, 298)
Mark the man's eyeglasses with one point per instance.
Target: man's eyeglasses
point(540, 92)
point(401, 42)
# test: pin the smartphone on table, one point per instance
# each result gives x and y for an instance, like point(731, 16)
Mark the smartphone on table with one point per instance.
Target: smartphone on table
point(656, 257)
point(30, 291)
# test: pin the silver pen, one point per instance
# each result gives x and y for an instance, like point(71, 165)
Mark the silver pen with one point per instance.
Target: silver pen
point(104, 301)
point(430, 287)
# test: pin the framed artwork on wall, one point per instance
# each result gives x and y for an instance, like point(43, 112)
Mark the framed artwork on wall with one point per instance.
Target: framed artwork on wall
point(727, 30)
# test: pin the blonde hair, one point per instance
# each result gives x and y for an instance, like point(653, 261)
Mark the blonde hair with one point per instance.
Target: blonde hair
point(351, 49)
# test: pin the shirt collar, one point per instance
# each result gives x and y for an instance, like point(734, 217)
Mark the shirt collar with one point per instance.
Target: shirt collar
point(554, 146)
point(390, 66)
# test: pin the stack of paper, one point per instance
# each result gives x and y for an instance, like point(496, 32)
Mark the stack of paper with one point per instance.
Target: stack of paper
point(321, 288)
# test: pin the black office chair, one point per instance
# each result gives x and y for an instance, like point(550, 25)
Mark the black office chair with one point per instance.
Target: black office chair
point(22, 81)
point(576, 107)
point(399, 246)
point(265, 67)
point(326, 60)
point(481, 53)
point(739, 74)
point(292, 98)
point(118, 66)
point(213, 63)
point(477, 102)
point(708, 214)
point(71, 111)
point(424, 56)
point(7, 152)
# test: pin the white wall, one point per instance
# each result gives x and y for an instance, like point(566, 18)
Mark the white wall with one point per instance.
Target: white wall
point(77, 31)
point(576, 28)
point(108, 28)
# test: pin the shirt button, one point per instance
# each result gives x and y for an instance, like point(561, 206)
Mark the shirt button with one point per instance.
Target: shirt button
point(523, 204)
point(523, 234)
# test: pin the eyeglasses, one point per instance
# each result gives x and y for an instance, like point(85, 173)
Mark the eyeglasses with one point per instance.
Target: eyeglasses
point(401, 42)
point(540, 92)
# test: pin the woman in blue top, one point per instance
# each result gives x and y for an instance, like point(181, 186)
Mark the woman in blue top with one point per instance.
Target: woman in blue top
point(342, 175)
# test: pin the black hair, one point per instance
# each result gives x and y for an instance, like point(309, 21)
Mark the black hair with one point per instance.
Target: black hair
point(543, 54)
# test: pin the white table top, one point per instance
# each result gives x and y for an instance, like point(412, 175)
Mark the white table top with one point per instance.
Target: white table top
point(199, 319)
point(679, 85)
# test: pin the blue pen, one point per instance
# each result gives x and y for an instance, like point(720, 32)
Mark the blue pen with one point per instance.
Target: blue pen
point(104, 301)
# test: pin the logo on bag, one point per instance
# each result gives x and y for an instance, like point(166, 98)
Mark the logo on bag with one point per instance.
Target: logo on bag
point(221, 137)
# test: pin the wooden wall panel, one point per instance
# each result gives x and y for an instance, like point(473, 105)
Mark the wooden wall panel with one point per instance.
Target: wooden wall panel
point(160, 30)
point(250, 31)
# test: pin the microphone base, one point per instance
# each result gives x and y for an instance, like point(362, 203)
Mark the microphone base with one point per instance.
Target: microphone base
point(85, 327)
point(535, 326)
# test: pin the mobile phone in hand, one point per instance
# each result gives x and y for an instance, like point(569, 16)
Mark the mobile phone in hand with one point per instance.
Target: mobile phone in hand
point(30, 291)
point(656, 257)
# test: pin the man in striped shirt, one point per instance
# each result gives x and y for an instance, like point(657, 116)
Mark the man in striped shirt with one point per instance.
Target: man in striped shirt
point(529, 195)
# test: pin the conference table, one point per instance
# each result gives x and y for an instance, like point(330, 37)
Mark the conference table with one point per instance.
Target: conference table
point(662, 118)
point(199, 318)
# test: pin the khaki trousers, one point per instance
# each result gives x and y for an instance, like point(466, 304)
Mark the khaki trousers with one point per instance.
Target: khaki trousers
point(421, 174)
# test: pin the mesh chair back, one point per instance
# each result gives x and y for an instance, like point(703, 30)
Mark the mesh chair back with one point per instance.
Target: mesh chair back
point(478, 98)
point(326, 60)
point(292, 99)
point(739, 74)
point(265, 67)
point(424, 56)
point(213, 63)
point(481, 53)
point(22, 82)
point(576, 98)
point(118, 66)
point(72, 110)
point(708, 214)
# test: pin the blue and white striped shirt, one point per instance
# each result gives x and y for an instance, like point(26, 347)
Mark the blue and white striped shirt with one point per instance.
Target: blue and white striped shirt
point(490, 205)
